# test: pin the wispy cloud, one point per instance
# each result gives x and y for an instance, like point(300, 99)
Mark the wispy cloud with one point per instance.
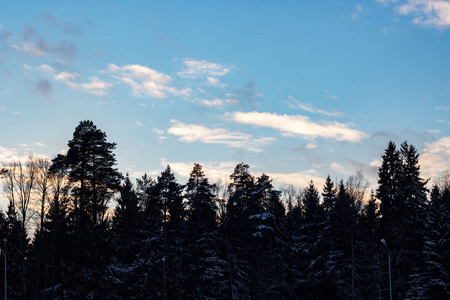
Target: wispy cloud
point(359, 9)
point(196, 69)
point(138, 124)
point(64, 76)
point(190, 133)
point(433, 13)
point(160, 133)
point(294, 103)
point(298, 125)
point(46, 69)
point(331, 95)
point(434, 131)
point(212, 103)
point(30, 49)
point(145, 81)
point(94, 86)
point(435, 158)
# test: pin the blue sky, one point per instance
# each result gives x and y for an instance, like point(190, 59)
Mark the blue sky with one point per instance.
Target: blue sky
point(298, 90)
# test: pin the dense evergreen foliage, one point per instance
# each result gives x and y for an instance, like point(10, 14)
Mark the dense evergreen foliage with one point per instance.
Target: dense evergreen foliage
point(166, 240)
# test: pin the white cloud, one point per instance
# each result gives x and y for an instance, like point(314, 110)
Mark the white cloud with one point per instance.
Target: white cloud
point(196, 69)
point(158, 131)
point(435, 158)
point(95, 86)
point(376, 163)
point(336, 166)
point(46, 69)
point(27, 67)
point(40, 144)
point(212, 103)
point(8, 155)
point(138, 124)
point(311, 146)
point(145, 81)
point(213, 81)
point(434, 131)
point(294, 103)
point(65, 76)
point(434, 13)
point(299, 125)
point(30, 49)
point(190, 133)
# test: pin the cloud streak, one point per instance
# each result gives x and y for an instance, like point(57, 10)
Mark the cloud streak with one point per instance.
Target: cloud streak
point(297, 125)
point(190, 133)
point(294, 103)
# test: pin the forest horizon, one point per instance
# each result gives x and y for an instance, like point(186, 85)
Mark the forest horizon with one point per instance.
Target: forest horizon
point(243, 240)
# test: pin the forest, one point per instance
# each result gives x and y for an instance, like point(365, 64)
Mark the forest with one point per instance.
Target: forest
point(76, 228)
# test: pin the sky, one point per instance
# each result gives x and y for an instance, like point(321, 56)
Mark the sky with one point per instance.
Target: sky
point(296, 89)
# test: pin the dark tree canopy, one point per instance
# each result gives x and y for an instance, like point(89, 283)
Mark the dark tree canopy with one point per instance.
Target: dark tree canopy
point(102, 236)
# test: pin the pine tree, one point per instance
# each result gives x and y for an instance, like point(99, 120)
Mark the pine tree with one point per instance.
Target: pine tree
point(89, 165)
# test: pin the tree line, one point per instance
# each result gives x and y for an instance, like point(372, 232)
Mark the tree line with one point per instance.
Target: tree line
point(243, 240)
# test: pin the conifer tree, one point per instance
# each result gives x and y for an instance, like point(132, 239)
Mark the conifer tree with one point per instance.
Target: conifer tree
point(126, 243)
point(237, 231)
point(174, 229)
point(311, 241)
point(89, 165)
point(433, 280)
point(343, 230)
point(205, 270)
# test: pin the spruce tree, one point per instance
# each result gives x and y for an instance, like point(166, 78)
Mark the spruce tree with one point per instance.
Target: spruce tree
point(205, 270)
point(237, 231)
point(312, 244)
point(126, 243)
